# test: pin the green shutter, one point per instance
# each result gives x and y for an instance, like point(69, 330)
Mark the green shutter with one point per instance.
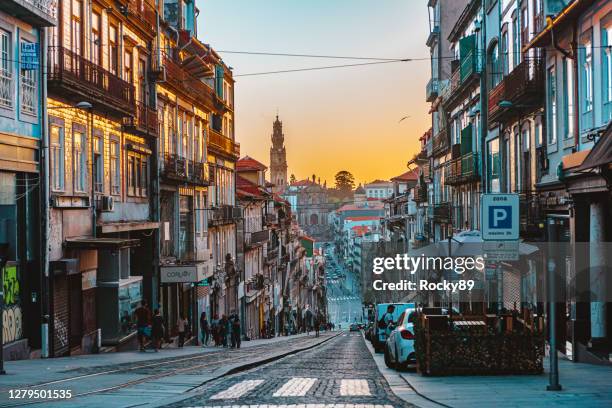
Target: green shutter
point(466, 140)
point(607, 104)
point(467, 55)
point(219, 72)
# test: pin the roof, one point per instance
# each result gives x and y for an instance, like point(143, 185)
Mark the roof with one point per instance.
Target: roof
point(410, 175)
point(377, 181)
point(362, 218)
point(601, 154)
point(462, 22)
point(248, 189)
point(359, 190)
point(249, 164)
point(302, 183)
point(371, 205)
point(575, 159)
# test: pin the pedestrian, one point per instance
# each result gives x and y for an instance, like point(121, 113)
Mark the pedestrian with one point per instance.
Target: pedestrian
point(386, 321)
point(181, 326)
point(215, 329)
point(228, 331)
point(223, 330)
point(143, 323)
point(317, 322)
point(236, 331)
point(157, 331)
point(205, 329)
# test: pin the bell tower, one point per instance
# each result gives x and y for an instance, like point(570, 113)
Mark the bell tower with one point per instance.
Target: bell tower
point(278, 157)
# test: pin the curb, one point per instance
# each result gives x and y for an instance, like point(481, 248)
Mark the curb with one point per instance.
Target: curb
point(234, 370)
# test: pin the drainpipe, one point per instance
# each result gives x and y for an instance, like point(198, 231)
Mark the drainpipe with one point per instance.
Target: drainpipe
point(483, 105)
point(155, 199)
point(44, 199)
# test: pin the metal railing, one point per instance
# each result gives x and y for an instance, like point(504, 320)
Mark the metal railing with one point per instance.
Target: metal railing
point(431, 90)
point(74, 73)
point(463, 169)
point(224, 143)
point(144, 121)
point(182, 169)
point(440, 142)
point(6, 89)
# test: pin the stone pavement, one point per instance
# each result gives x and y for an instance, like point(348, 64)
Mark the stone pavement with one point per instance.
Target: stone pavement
point(337, 374)
point(584, 385)
point(129, 378)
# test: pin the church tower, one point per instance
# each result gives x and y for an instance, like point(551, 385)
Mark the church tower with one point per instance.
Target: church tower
point(278, 157)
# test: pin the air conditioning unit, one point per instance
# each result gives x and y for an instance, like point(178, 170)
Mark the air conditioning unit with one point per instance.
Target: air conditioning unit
point(106, 204)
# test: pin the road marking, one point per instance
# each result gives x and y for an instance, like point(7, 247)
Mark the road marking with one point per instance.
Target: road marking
point(295, 387)
point(237, 390)
point(354, 388)
point(298, 406)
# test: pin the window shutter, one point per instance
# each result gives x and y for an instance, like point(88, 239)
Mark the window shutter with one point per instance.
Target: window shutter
point(219, 72)
point(466, 140)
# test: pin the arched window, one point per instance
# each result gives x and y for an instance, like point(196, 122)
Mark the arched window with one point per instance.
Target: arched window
point(495, 65)
point(314, 219)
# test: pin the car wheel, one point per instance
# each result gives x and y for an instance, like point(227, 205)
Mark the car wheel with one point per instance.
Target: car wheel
point(388, 361)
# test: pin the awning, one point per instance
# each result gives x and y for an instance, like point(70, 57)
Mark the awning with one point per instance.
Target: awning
point(571, 161)
point(101, 243)
point(601, 154)
point(111, 227)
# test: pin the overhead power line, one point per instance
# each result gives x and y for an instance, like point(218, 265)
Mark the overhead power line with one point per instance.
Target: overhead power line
point(283, 54)
point(321, 68)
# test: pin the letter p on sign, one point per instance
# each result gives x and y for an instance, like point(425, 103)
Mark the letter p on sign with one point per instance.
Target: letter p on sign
point(500, 216)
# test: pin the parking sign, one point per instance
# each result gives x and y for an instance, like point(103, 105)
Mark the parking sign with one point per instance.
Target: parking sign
point(500, 217)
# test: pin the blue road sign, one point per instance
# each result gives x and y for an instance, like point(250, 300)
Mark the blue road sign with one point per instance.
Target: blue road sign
point(500, 217)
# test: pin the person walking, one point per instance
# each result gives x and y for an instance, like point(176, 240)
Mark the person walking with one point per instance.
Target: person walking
point(223, 330)
point(317, 323)
point(215, 330)
point(182, 326)
point(205, 329)
point(157, 331)
point(143, 323)
point(236, 331)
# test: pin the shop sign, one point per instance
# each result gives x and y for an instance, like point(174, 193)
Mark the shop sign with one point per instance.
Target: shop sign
point(183, 273)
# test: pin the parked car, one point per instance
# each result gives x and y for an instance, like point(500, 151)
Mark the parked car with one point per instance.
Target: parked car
point(354, 327)
point(399, 348)
point(380, 333)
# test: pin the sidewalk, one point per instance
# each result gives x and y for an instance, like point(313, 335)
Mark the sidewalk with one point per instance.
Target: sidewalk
point(27, 372)
point(584, 385)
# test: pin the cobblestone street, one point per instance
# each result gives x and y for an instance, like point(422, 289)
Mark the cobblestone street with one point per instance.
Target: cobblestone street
point(338, 373)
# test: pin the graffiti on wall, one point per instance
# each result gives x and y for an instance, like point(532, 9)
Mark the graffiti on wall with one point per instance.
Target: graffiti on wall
point(11, 313)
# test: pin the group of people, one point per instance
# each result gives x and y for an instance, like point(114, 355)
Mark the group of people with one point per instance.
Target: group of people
point(224, 331)
point(150, 327)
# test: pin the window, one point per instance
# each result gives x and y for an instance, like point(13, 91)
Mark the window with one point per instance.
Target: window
point(98, 164)
point(113, 49)
point(137, 174)
point(56, 159)
point(495, 66)
point(505, 53)
point(79, 158)
point(494, 165)
point(76, 27)
point(142, 81)
point(552, 105)
point(96, 39)
point(127, 66)
point(516, 53)
point(115, 167)
point(568, 98)
point(6, 76)
point(585, 67)
point(198, 210)
point(606, 71)
point(28, 89)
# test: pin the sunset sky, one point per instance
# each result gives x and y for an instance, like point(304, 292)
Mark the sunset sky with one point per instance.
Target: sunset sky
point(344, 118)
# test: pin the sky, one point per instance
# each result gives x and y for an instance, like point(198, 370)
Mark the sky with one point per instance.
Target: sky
point(336, 119)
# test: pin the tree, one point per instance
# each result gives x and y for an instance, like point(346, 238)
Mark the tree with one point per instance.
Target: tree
point(292, 179)
point(345, 181)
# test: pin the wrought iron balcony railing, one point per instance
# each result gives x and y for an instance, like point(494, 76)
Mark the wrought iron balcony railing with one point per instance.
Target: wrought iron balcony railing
point(523, 87)
point(224, 214)
point(144, 122)
point(461, 170)
point(441, 212)
point(431, 90)
point(440, 142)
point(223, 143)
point(420, 193)
point(76, 78)
point(180, 169)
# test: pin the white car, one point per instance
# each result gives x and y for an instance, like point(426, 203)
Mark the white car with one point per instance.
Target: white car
point(399, 348)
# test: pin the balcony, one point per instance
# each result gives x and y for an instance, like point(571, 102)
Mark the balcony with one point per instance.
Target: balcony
point(192, 87)
point(431, 90)
point(463, 76)
point(441, 213)
point(225, 214)
point(142, 14)
point(73, 77)
point(39, 13)
point(252, 239)
point(433, 34)
point(420, 193)
point(524, 87)
point(177, 168)
point(271, 219)
point(223, 144)
point(531, 216)
point(440, 143)
point(461, 170)
point(143, 123)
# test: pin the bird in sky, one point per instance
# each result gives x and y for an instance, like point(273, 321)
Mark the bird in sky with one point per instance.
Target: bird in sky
point(405, 117)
